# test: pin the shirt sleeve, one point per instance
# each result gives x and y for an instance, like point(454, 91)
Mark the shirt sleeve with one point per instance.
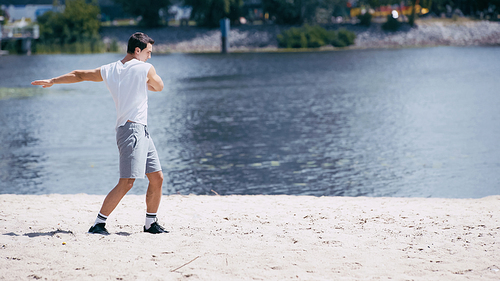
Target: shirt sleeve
point(148, 67)
point(103, 72)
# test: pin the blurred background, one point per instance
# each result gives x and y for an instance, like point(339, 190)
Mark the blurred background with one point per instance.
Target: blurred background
point(322, 98)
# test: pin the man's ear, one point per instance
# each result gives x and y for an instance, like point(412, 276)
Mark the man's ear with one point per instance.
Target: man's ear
point(137, 50)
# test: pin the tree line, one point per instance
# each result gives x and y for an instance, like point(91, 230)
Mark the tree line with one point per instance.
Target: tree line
point(305, 11)
point(77, 26)
point(209, 12)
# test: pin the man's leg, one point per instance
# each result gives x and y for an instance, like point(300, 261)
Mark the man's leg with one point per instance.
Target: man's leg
point(153, 198)
point(110, 202)
point(115, 196)
point(153, 195)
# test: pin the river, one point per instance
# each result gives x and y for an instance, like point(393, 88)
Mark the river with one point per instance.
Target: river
point(417, 122)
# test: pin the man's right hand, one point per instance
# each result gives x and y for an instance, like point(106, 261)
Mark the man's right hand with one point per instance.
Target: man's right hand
point(44, 83)
point(72, 77)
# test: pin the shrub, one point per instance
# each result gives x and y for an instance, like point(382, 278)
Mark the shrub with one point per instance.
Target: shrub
point(292, 38)
point(87, 47)
point(391, 24)
point(114, 47)
point(346, 36)
point(314, 37)
point(365, 19)
point(75, 30)
point(11, 46)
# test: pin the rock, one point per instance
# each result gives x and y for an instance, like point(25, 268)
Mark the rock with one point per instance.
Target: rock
point(250, 37)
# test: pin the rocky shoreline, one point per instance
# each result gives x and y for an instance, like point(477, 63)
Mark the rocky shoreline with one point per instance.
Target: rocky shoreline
point(437, 33)
point(263, 37)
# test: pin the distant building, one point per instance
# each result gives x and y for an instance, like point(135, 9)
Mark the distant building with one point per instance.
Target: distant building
point(181, 14)
point(27, 9)
point(253, 10)
point(32, 9)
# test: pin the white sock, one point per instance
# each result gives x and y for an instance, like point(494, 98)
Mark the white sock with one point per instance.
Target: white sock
point(150, 219)
point(100, 219)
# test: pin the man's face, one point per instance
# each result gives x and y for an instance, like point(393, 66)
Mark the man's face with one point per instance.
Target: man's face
point(145, 54)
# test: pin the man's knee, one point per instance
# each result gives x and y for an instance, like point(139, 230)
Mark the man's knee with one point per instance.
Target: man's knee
point(126, 183)
point(156, 178)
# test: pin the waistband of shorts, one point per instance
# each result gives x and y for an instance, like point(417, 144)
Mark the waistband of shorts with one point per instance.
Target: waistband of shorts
point(136, 125)
point(133, 124)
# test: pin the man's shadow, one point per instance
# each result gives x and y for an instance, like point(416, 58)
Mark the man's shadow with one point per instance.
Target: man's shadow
point(58, 231)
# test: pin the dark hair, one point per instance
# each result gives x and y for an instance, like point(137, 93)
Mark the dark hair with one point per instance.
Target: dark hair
point(140, 40)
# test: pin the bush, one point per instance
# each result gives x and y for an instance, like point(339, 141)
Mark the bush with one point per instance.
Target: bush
point(314, 37)
point(11, 46)
point(346, 36)
point(365, 19)
point(76, 30)
point(392, 24)
point(87, 47)
point(292, 38)
point(113, 47)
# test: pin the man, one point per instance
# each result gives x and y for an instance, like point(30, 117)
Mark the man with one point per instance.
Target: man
point(128, 81)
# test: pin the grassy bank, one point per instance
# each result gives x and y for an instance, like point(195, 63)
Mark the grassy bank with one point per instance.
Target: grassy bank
point(98, 46)
point(14, 47)
point(6, 93)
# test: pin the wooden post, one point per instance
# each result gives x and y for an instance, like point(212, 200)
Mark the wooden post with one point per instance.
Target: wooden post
point(224, 30)
point(1, 39)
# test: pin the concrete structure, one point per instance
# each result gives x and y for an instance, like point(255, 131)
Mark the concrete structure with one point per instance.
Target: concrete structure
point(253, 10)
point(20, 31)
point(29, 10)
point(181, 14)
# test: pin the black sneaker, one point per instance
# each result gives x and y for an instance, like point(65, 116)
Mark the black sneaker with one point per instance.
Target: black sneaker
point(99, 229)
point(155, 229)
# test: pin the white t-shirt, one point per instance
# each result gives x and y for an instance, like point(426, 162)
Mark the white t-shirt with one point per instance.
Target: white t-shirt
point(127, 83)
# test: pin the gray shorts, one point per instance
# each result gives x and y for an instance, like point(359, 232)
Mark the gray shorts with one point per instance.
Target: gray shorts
point(138, 155)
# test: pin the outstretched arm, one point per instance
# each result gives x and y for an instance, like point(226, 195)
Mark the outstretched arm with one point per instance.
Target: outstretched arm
point(155, 83)
point(72, 77)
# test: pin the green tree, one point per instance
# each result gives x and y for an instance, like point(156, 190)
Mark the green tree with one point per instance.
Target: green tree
point(285, 11)
point(299, 11)
point(468, 7)
point(426, 4)
point(78, 22)
point(147, 9)
point(413, 16)
point(209, 12)
point(4, 15)
point(378, 3)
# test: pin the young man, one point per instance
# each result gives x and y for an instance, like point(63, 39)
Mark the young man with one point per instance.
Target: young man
point(128, 81)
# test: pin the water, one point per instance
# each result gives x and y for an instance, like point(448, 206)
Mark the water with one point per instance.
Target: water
point(408, 122)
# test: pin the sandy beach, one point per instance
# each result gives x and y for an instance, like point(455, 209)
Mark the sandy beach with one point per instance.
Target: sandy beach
point(44, 237)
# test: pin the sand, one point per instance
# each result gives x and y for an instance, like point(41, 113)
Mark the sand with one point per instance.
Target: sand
point(45, 237)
